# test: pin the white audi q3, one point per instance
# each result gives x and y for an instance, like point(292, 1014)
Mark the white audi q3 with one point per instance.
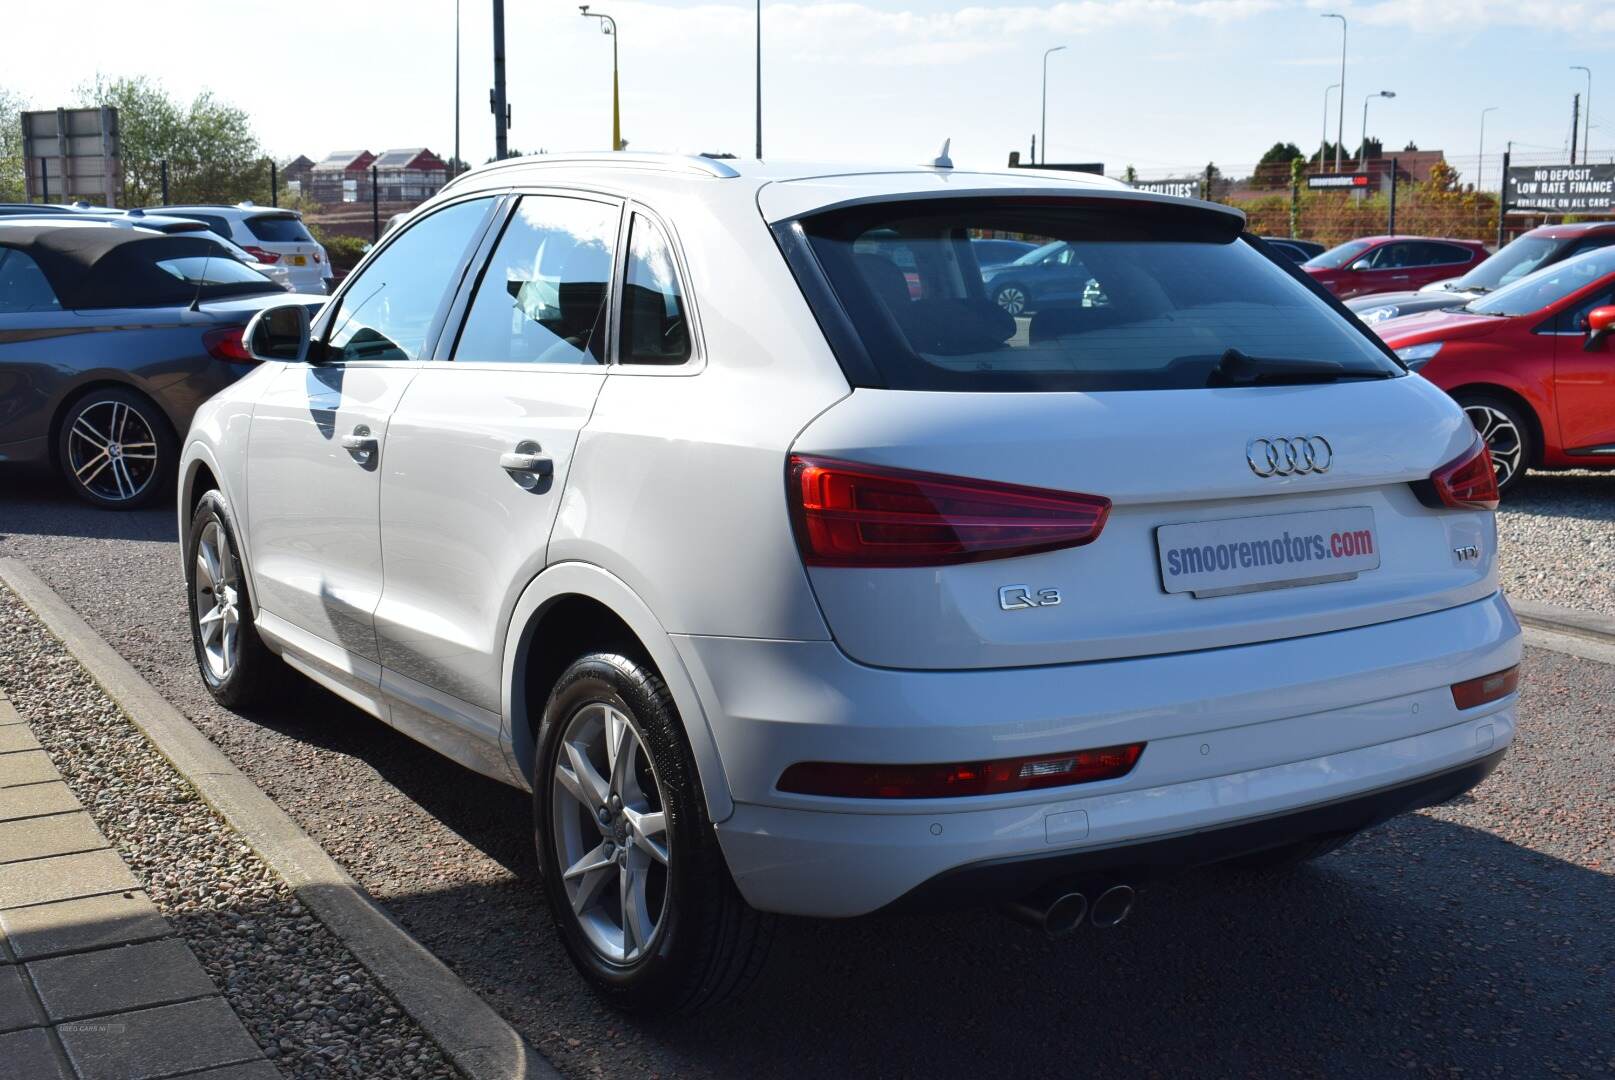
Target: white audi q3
point(725, 510)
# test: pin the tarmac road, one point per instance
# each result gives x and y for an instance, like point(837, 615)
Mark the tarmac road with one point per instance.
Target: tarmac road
point(1475, 939)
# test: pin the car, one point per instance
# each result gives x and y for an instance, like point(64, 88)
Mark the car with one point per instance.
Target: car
point(1377, 264)
point(647, 485)
point(139, 219)
point(993, 252)
point(109, 339)
point(271, 235)
point(1049, 276)
point(1530, 363)
point(1542, 246)
point(1296, 250)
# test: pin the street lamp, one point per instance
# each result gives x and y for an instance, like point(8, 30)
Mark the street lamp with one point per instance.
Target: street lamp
point(1362, 149)
point(1043, 139)
point(1325, 141)
point(1480, 158)
point(1340, 123)
point(608, 26)
point(1587, 106)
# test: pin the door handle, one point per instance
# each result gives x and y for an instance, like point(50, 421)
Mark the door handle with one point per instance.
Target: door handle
point(527, 464)
point(361, 444)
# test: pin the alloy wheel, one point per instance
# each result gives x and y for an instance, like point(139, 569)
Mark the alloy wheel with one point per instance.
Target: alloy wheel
point(1502, 437)
point(112, 451)
point(218, 600)
point(1012, 298)
point(610, 833)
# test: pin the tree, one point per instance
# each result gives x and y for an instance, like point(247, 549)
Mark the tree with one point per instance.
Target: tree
point(1130, 175)
point(1280, 153)
point(209, 146)
point(11, 163)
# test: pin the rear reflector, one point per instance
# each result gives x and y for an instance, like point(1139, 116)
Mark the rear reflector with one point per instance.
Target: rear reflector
point(848, 514)
point(1468, 482)
point(225, 344)
point(1499, 684)
point(970, 778)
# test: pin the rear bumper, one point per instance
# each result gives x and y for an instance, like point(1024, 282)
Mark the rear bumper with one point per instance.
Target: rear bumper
point(1235, 736)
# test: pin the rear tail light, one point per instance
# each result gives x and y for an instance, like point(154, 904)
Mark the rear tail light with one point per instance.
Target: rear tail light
point(969, 778)
point(268, 258)
point(316, 257)
point(1499, 684)
point(225, 344)
point(1467, 482)
point(848, 514)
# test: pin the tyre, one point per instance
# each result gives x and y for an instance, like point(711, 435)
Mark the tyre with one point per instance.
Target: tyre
point(640, 893)
point(1012, 297)
point(115, 449)
point(1289, 856)
point(1508, 435)
point(237, 667)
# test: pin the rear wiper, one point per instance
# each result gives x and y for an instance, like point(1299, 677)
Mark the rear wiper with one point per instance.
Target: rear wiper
point(1239, 369)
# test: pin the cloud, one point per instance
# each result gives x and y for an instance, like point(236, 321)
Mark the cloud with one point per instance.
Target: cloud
point(1436, 16)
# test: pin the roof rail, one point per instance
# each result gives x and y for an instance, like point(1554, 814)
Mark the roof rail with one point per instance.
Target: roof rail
point(686, 163)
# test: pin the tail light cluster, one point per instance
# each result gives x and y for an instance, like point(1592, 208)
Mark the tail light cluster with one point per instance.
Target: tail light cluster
point(848, 514)
point(969, 778)
point(1467, 482)
point(268, 258)
point(225, 343)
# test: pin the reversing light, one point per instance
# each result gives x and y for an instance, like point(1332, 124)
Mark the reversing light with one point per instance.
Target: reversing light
point(848, 514)
point(846, 781)
point(1497, 685)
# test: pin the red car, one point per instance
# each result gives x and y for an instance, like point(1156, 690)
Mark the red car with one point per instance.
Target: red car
point(1532, 363)
point(1377, 264)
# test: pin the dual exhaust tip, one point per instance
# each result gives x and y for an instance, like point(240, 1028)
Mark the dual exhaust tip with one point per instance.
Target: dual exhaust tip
point(1062, 914)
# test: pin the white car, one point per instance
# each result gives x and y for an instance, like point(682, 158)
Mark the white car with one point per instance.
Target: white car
point(274, 236)
point(788, 580)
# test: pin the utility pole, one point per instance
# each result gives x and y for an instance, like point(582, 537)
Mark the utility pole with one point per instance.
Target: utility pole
point(759, 80)
point(501, 110)
point(1575, 121)
point(454, 167)
point(1587, 111)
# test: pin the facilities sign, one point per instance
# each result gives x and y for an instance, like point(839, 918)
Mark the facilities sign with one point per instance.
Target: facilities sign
point(1356, 181)
point(1562, 189)
point(1183, 189)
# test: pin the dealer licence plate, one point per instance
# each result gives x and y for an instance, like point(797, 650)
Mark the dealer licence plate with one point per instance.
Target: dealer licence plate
point(297, 260)
point(1235, 555)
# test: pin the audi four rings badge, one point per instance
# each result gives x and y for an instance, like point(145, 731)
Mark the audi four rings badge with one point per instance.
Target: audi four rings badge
point(1289, 457)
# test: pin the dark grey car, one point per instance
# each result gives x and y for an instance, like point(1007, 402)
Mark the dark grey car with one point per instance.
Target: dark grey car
point(109, 340)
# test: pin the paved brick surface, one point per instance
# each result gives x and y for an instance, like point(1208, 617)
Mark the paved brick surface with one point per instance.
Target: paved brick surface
point(63, 877)
point(38, 838)
point(251, 1070)
point(36, 800)
point(17, 1006)
point(93, 922)
point(8, 713)
point(32, 1055)
point(118, 979)
point(158, 1042)
point(26, 767)
point(15, 737)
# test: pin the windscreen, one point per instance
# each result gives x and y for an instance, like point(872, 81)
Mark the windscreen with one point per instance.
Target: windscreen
point(1517, 259)
point(1339, 256)
point(1547, 286)
point(1122, 296)
point(279, 229)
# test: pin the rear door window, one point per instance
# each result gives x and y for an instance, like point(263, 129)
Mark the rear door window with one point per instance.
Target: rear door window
point(279, 229)
point(1123, 298)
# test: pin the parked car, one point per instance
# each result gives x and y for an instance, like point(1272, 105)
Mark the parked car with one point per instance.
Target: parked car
point(139, 219)
point(1051, 275)
point(1530, 363)
point(647, 484)
point(991, 253)
point(109, 339)
point(1378, 264)
point(1296, 250)
point(273, 236)
point(1527, 252)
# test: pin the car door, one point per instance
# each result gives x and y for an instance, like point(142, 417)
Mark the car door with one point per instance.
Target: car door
point(1383, 269)
point(478, 454)
point(317, 443)
point(1583, 381)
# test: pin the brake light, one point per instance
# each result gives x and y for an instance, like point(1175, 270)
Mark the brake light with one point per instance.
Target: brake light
point(268, 258)
point(316, 256)
point(225, 344)
point(969, 778)
point(847, 514)
point(1468, 482)
point(1499, 684)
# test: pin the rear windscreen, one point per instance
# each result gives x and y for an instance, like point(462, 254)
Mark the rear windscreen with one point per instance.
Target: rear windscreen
point(1126, 296)
point(279, 229)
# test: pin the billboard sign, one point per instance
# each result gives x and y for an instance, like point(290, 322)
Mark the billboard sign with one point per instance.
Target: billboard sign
point(1561, 189)
point(72, 154)
point(1356, 181)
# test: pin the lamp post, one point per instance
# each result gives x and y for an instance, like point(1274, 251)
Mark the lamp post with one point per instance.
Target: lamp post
point(1325, 141)
point(1587, 106)
point(456, 163)
point(608, 26)
point(1043, 139)
point(1362, 149)
point(1480, 157)
point(1340, 123)
point(759, 80)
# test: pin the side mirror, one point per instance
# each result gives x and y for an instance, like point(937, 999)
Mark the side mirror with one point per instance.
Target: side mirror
point(279, 334)
point(1360, 264)
point(1600, 323)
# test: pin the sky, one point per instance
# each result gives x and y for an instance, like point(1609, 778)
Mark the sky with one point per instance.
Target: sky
point(1163, 85)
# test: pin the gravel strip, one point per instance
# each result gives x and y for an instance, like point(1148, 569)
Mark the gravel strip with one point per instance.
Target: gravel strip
point(311, 1007)
point(1556, 538)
